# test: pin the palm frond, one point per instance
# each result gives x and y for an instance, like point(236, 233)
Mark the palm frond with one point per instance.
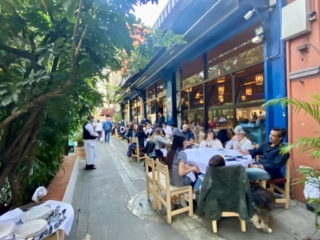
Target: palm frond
point(313, 109)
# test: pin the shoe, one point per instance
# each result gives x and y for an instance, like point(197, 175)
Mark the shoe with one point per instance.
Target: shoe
point(90, 167)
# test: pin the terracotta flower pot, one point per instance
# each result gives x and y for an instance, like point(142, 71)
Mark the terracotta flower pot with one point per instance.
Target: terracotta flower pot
point(80, 152)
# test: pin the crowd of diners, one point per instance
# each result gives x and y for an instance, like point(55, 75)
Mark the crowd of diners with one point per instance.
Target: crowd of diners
point(160, 135)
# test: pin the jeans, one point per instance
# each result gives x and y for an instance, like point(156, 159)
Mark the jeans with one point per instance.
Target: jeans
point(257, 174)
point(99, 136)
point(107, 136)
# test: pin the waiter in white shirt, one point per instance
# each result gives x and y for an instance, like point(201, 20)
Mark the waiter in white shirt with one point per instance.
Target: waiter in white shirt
point(89, 136)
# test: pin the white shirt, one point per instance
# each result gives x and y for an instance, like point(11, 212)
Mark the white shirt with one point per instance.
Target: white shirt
point(99, 126)
point(167, 130)
point(211, 144)
point(245, 144)
point(90, 129)
point(222, 119)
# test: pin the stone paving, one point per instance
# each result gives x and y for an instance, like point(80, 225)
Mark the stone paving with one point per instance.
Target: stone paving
point(110, 203)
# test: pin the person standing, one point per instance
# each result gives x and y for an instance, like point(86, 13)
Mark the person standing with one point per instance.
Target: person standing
point(89, 136)
point(160, 119)
point(107, 126)
point(99, 129)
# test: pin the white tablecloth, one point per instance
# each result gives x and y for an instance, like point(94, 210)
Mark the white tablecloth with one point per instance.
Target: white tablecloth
point(201, 157)
point(15, 215)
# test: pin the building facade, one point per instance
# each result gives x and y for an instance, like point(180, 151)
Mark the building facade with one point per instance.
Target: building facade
point(235, 60)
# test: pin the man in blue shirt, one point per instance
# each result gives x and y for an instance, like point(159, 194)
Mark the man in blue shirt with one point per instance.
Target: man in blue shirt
point(107, 126)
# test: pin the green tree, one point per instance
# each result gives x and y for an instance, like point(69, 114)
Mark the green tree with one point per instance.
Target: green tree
point(310, 145)
point(51, 52)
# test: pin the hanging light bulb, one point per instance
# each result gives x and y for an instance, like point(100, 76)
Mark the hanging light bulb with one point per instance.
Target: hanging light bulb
point(243, 97)
point(221, 98)
point(201, 101)
point(197, 95)
point(259, 79)
point(221, 80)
point(221, 90)
point(249, 91)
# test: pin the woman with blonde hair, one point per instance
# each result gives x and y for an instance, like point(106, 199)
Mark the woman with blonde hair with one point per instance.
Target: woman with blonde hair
point(158, 141)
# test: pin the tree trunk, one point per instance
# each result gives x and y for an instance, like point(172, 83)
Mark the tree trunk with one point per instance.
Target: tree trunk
point(19, 145)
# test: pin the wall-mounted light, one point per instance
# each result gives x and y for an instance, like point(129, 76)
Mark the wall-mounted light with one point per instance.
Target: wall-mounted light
point(197, 95)
point(249, 91)
point(221, 90)
point(221, 98)
point(201, 101)
point(243, 97)
point(221, 80)
point(259, 79)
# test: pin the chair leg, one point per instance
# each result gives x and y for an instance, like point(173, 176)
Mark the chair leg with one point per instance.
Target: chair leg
point(287, 195)
point(154, 195)
point(147, 188)
point(190, 203)
point(169, 216)
point(158, 199)
point(243, 225)
point(214, 226)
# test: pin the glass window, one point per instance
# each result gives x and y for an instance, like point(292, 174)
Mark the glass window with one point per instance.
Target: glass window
point(192, 73)
point(252, 119)
point(183, 98)
point(196, 94)
point(152, 110)
point(151, 92)
point(216, 114)
point(196, 116)
point(161, 89)
point(219, 91)
point(250, 85)
point(219, 67)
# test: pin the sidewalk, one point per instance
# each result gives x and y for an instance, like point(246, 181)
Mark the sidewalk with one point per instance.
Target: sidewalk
point(110, 203)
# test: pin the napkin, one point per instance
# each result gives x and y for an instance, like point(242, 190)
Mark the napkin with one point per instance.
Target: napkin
point(39, 193)
point(14, 215)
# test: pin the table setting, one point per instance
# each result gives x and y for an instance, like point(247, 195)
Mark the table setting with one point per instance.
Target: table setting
point(201, 156)
point(38, 222)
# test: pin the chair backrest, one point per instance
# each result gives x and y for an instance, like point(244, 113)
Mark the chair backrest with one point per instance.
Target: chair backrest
point(135, 140)
point(163, 169)
point(149, 164)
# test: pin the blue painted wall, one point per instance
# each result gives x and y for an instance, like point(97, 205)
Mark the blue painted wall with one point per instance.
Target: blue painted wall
point(275, 70)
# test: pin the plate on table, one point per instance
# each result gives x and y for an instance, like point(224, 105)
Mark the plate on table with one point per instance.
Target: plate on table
point(31, 228)
point(40, 212)
point(6, 228)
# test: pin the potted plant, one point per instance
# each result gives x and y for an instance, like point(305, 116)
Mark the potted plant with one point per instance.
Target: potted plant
point(80, 151)
point(309, 176)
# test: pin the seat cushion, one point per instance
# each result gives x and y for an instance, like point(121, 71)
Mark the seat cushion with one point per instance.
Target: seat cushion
point(162, 183)
point(278, 180)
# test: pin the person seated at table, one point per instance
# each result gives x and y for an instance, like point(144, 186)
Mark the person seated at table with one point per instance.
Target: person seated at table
point(198, 134)
point(187, 133)
point(175, 130)
point(141, 135)
point(210, 141)
point(215, 161)
point(239, 140)
point(130, 133)
point(177, 163)
point(167, 129)
point(158, 141)
point(271, 160)
point(147, 129)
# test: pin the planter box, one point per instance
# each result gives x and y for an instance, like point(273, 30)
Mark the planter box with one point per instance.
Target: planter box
point(81, 154)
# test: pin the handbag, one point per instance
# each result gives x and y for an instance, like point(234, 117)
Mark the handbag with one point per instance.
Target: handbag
point(129, 152)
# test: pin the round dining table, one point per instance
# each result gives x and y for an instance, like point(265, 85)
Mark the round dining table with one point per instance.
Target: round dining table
point(201, 156)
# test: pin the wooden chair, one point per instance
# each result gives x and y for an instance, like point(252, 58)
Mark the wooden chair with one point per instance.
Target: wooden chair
point(171, 191)
point(229, 214)
point(151, 179)
point(286, 191)
point(139, 155)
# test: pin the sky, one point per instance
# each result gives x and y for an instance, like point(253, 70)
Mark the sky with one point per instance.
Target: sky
point(149, 13)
